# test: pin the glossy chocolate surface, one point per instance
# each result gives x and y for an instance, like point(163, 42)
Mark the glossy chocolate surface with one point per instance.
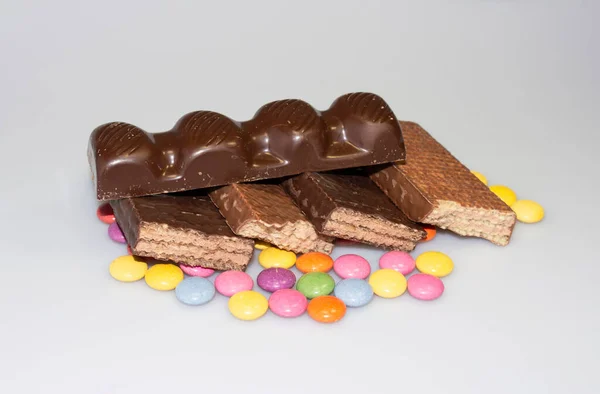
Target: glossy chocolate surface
point(207, 149)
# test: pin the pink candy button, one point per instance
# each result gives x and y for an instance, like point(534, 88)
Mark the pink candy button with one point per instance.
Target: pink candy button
point(288, 303)
point(230, 282)
point(425, 287)
point(351, 266)
point(196, 271)
point(398, 261)
point(115, 233)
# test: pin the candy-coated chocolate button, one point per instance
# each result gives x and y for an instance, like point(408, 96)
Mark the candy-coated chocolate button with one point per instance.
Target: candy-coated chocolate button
point(528, 211)
point(261, 245)
point(115, 233)
point(195, 291)
point(273, 257)
point(354, 292)
point(430, 231)
point(128, 269)
point(398, 261)
point(129, 251)
point(229, 283)
point(248, 305)
point(105, 213)
point(273, 279)
point(164, 276)
point(352, 266)
point(505, 194)
point(480, 176)
point(196, 271)
point(288, 303)
point(435, 263)
point(315, 284)
point(388, 283)
point(314, 262)
point(326, 309)
point(425, 287)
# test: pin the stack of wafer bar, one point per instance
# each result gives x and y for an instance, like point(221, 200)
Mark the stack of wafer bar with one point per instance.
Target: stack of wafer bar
point(134, 169)
point(200, 193)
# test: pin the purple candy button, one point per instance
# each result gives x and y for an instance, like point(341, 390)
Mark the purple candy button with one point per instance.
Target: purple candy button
point(273, 279)
point(115, 233)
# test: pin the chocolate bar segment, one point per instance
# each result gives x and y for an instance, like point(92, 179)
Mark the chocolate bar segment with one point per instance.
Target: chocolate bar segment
point(434, 187)
point(182, 229)
point(266, 212)
point(352, 207)
point(208, 149)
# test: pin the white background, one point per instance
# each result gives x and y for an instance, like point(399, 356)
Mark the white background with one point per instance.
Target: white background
point(510, 87)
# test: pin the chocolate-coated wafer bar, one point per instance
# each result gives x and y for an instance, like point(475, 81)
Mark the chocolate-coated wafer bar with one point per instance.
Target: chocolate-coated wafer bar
point(208, 149)
point(434, 187)
point(352, 207)
point(183, 229)
point(265, 211)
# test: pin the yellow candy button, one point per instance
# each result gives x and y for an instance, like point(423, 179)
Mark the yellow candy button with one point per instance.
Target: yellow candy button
point(261, 245)
point(505, 194)
point(248, 305)
point(528, 211)
point(388, 283)
point(435, 263)
point(273, 257)
point(164, 276)
point(480, 176)
point(128, 268)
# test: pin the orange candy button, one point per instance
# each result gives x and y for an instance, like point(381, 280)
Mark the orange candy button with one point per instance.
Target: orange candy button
point(314, 262)
point(326, 309)
point(431, 231)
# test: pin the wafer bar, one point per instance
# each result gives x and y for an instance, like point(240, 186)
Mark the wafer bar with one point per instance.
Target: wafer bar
point(183, 229)
point(352, 207)
point(207, 149)
point(265, 211)
point(433, 187)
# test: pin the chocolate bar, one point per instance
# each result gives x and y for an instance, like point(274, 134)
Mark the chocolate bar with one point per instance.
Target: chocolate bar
point(434, 187)
point(207, 149)
point(266, 212)
point(183, 229)
point(352, 207)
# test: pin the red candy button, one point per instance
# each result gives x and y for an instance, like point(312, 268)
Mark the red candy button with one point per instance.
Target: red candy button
point(105, 213)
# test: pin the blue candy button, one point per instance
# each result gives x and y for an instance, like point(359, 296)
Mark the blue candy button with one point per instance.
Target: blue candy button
point(354, 292)
point(195, 291)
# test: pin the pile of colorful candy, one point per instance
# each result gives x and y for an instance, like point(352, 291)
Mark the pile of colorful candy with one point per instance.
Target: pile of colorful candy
point(291, 298)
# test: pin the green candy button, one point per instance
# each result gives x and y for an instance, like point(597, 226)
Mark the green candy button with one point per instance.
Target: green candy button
point(315, 284)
